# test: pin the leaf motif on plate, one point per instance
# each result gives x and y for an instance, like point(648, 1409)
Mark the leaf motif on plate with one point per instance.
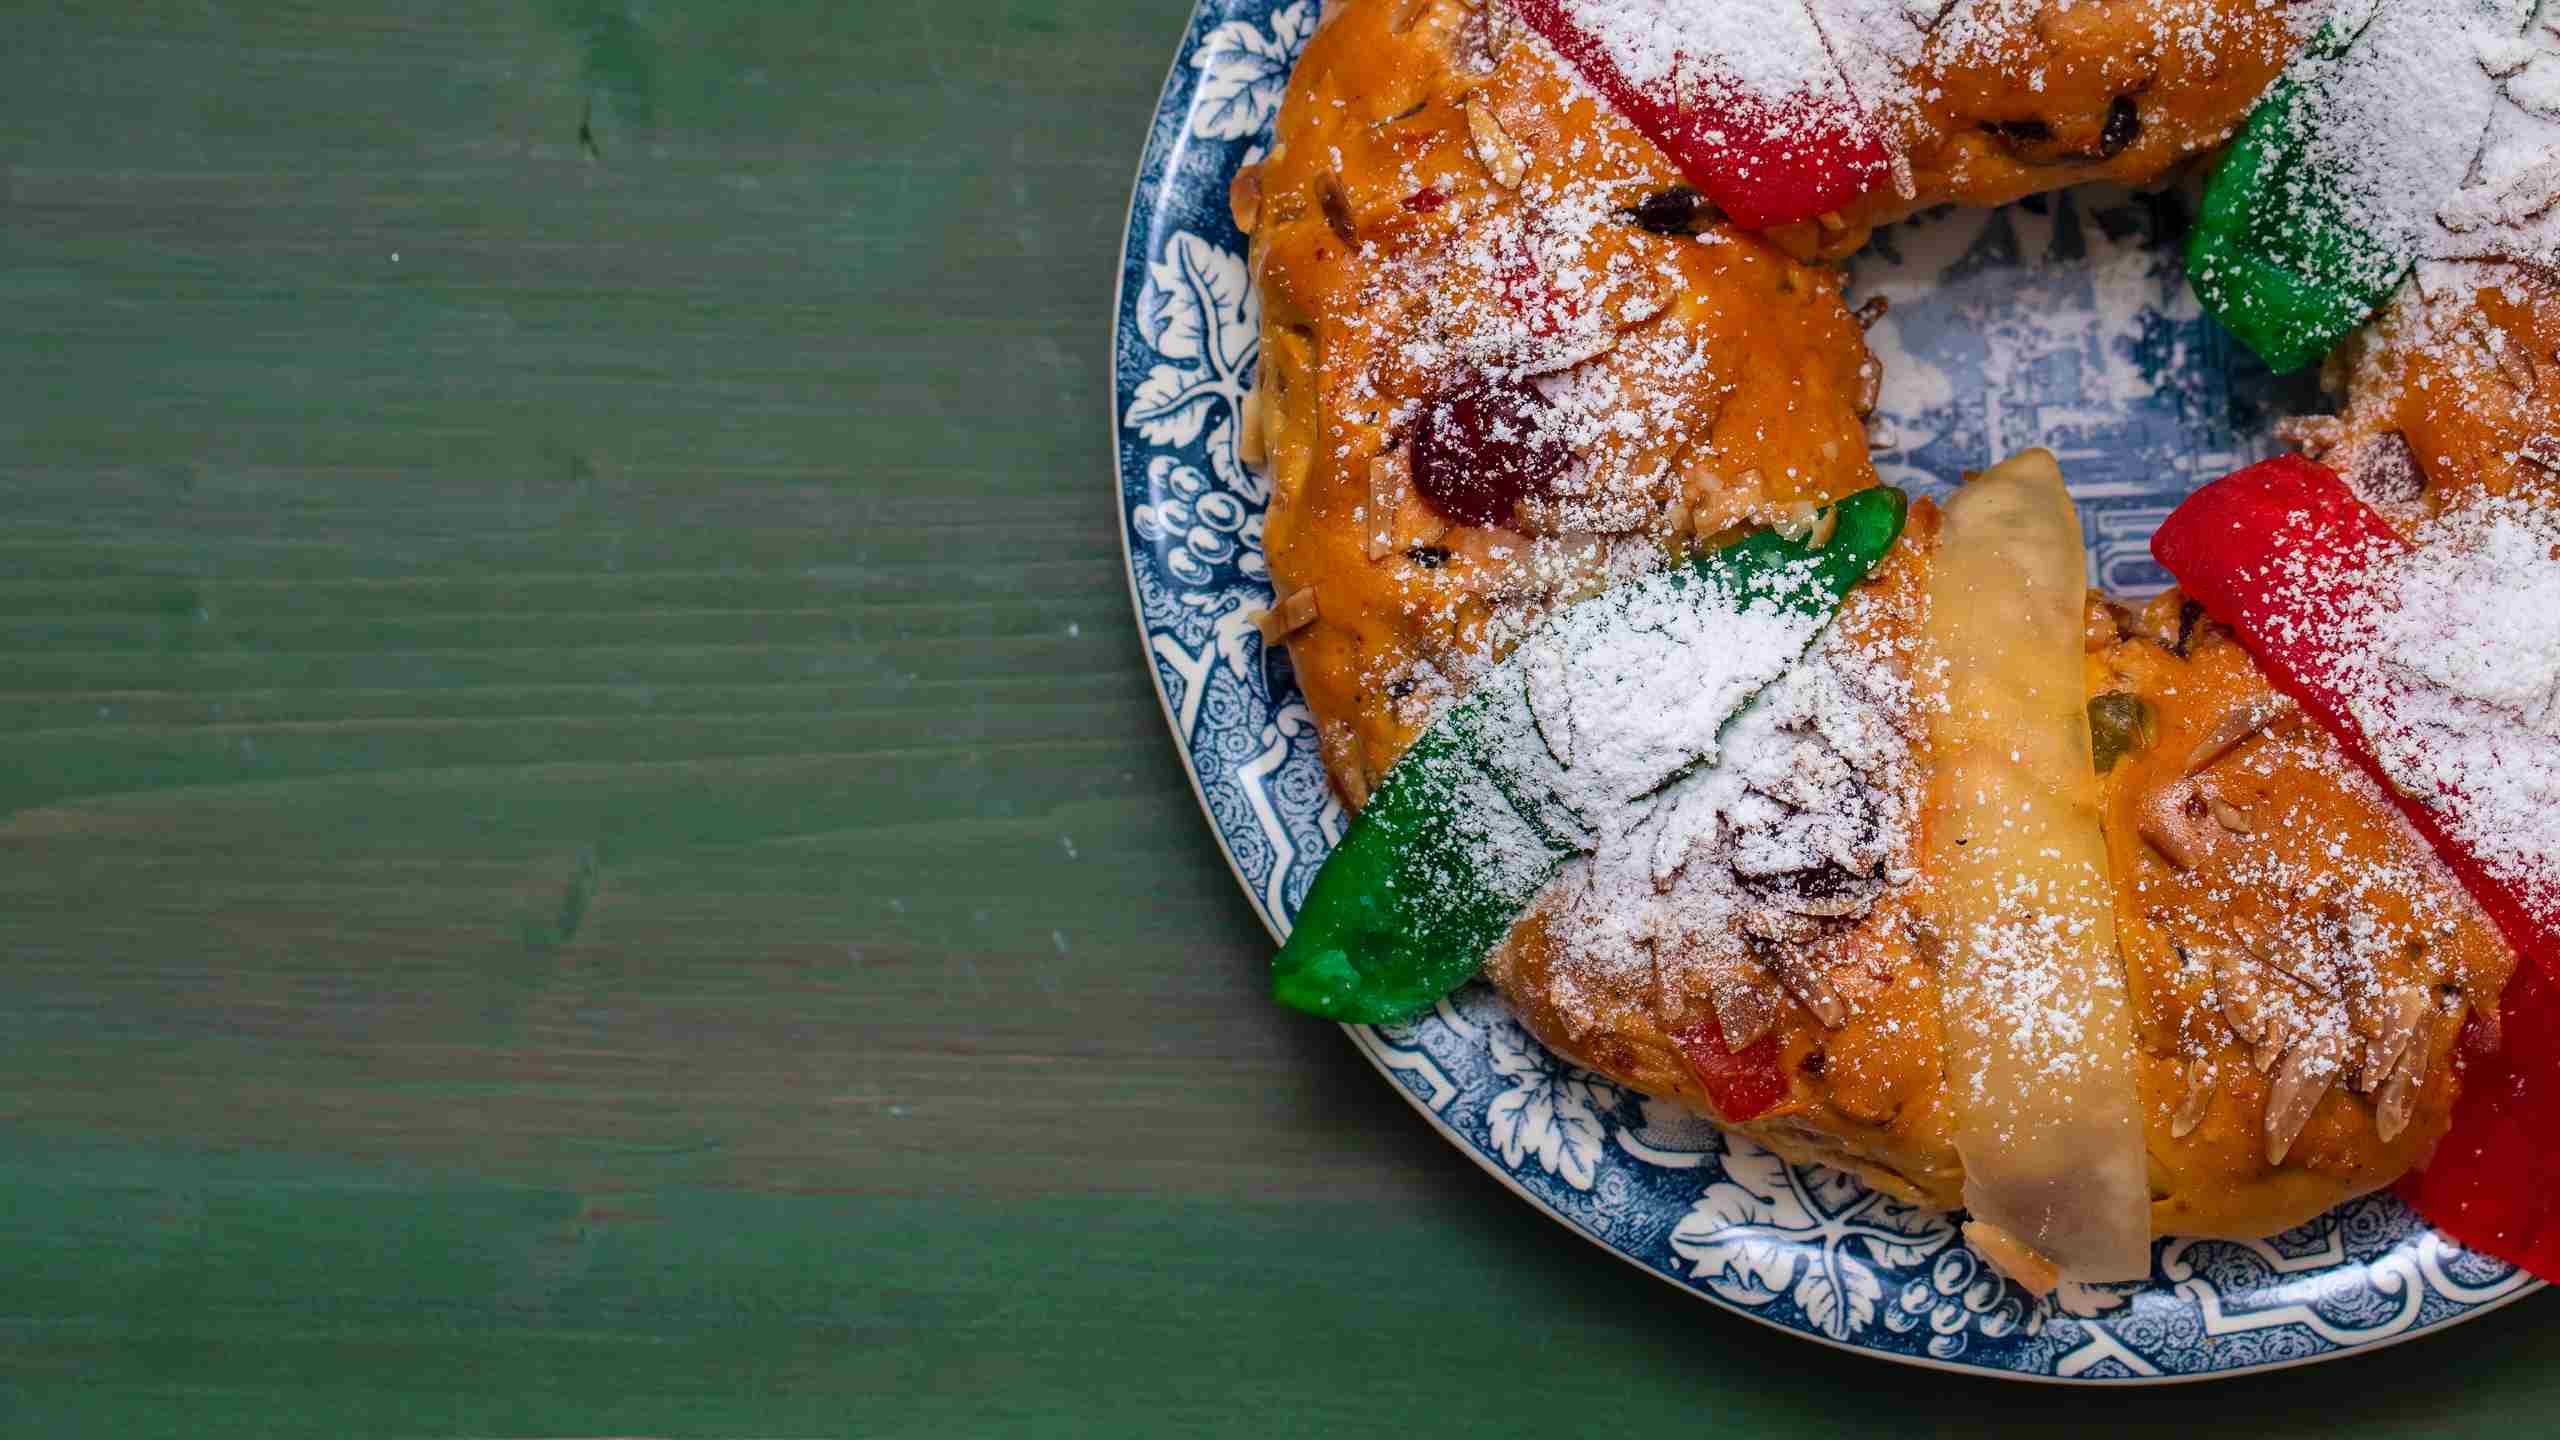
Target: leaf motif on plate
point(1901, 1235)
point(1197, 311)
point(1244, 72)
point(1740, 1243)
point(1551, 1113)
point(1839, 1297)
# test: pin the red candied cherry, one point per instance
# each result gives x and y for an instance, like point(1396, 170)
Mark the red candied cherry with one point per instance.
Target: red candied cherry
point(1483, 446)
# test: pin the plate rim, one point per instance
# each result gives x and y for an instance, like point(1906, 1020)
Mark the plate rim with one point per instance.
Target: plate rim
point(1357, 1035)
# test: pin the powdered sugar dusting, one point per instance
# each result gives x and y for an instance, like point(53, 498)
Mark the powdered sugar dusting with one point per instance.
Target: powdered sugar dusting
point(1533, 283)
point(2433, 133)
point(1707, 53)
point(2450, 659)
point(1717, 883)
point(1622, 694)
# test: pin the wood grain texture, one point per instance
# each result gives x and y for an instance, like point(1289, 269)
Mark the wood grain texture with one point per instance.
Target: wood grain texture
point(584, 844)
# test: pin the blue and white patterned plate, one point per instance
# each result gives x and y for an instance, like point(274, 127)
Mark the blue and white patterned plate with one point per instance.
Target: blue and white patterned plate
point(2062, 323)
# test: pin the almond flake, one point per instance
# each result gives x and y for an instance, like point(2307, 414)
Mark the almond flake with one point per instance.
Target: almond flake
point(1290, 616)
point(1494, 147)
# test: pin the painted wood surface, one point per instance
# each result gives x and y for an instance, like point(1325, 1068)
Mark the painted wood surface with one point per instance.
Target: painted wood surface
point(584, 846)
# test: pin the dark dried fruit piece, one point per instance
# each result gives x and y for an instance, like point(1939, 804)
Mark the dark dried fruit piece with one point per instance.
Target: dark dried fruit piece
point(2124, 126)
point(1482, 448)
point(1679, 210)
point(2190, 621)
point(1337, 210)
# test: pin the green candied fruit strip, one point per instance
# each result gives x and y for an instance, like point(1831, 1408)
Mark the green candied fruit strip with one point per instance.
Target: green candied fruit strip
point(1450, 850)
point(2120, 724)
point(2275, 254)
point(2280, 253)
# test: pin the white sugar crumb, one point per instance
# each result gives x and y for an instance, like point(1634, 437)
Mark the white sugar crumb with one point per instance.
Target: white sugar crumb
point(2450, 660)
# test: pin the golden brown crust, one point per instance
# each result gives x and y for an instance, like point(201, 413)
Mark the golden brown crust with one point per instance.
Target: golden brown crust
point(1867, 1096)
point(1398, 97)
point(2315, 850)
point(1780, 396)
point(2458, 377)
point(2031, 112)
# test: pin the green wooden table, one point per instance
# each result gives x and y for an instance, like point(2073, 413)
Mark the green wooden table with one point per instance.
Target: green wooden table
point(584, 844)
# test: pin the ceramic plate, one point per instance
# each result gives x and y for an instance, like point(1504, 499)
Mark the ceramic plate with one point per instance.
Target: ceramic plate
point(2061, 322)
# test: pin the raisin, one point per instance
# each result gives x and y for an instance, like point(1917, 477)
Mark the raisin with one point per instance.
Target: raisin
point(1429, 557)
point(2190, 616)
point(2124, 126)
point(1679, 210)
point(1337, 210)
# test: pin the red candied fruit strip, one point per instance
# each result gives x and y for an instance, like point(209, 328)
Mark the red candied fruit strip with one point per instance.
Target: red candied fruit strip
point(2494, 1182)
point(1761, 162)
point(2270, 552)
point(1744, 1084)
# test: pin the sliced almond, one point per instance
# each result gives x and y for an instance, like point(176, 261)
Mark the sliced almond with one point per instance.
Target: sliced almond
point(1675, 518)
point(2102, 623)
point(1495, 149)
point(1717, 504)
point(2513, 362)
point(2242, 996)
point(2195, 1100)
point(1795, 519)
point(1294, 613)
point(1746, 1008)
point(1244, 198)
point(2397, 1098)
point(2300, 1083)
point(2544, 450)
point(2310, 971)
point(1808, 984)
point(2012, 1257)
point(2173, 819)
point(2237, 724)
point(2275, 1037)
point(2227, 815)
point(2252, 938)
point(2402, 1024)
